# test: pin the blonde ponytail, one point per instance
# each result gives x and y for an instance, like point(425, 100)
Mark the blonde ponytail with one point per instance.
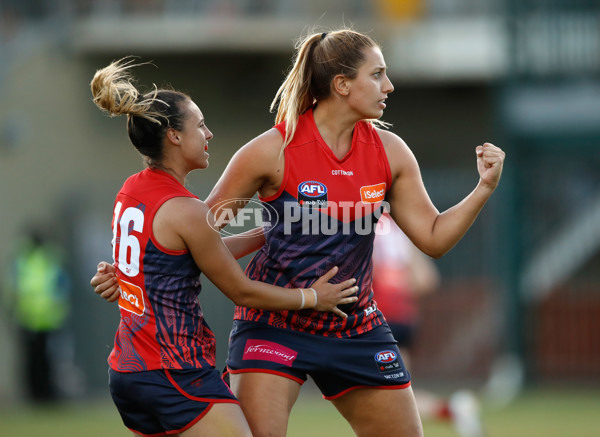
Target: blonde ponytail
point(113, 92)
point(293, 97)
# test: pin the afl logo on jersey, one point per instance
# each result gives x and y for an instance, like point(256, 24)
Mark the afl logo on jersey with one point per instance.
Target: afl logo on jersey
point(312, 194)
point(387, 360)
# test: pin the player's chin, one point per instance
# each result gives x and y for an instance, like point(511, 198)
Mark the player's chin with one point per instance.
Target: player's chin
point(203, 165)
point(376, 113)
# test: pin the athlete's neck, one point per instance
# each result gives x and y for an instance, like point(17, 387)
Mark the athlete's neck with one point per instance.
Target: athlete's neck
point(335, 131)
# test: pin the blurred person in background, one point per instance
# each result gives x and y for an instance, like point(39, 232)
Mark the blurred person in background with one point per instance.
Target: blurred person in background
point(38, 297)
point(161, 370)
point(327, 151)
point(402, 275)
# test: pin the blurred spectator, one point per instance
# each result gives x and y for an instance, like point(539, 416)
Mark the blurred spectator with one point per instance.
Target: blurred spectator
point(38, 299)
point(402, 274)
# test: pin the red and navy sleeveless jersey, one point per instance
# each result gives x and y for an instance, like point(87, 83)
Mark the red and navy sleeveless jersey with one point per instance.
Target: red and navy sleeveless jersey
point(162, 325)
point(327, 209)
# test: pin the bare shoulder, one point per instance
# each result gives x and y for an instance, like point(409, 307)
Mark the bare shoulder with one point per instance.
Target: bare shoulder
point(183, 211)
point(258, 165)
point(391, 141)
point(177, 218)
point(265, 146)
point(185, 204)
point(398, 153)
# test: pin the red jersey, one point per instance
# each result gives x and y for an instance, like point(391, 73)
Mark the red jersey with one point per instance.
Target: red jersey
point(327, 210)
point(161, 325)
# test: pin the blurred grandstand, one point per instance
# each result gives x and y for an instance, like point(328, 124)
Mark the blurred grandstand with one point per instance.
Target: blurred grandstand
point(525, 281)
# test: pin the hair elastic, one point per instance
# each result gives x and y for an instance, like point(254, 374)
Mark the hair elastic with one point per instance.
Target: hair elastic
point(323, 35)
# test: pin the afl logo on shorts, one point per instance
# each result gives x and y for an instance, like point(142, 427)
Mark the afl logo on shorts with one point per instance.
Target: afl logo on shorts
point(312, 194)
point(387, 360)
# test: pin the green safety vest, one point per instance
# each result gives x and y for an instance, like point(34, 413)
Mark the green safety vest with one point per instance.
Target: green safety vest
point(41, 300)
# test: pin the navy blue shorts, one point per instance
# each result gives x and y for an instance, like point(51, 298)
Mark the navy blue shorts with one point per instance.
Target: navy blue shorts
point(161, 402)
point(337, 365)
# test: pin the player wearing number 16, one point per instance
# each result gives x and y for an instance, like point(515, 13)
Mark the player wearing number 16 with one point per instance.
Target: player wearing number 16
point(162, 375)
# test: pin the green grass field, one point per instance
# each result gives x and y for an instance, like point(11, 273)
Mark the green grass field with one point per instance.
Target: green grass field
point(536, 413)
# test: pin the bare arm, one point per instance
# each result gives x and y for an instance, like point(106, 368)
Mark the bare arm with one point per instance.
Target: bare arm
point(433, 232)
point(245, 243)
point(105, 282)
point(187, 223)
